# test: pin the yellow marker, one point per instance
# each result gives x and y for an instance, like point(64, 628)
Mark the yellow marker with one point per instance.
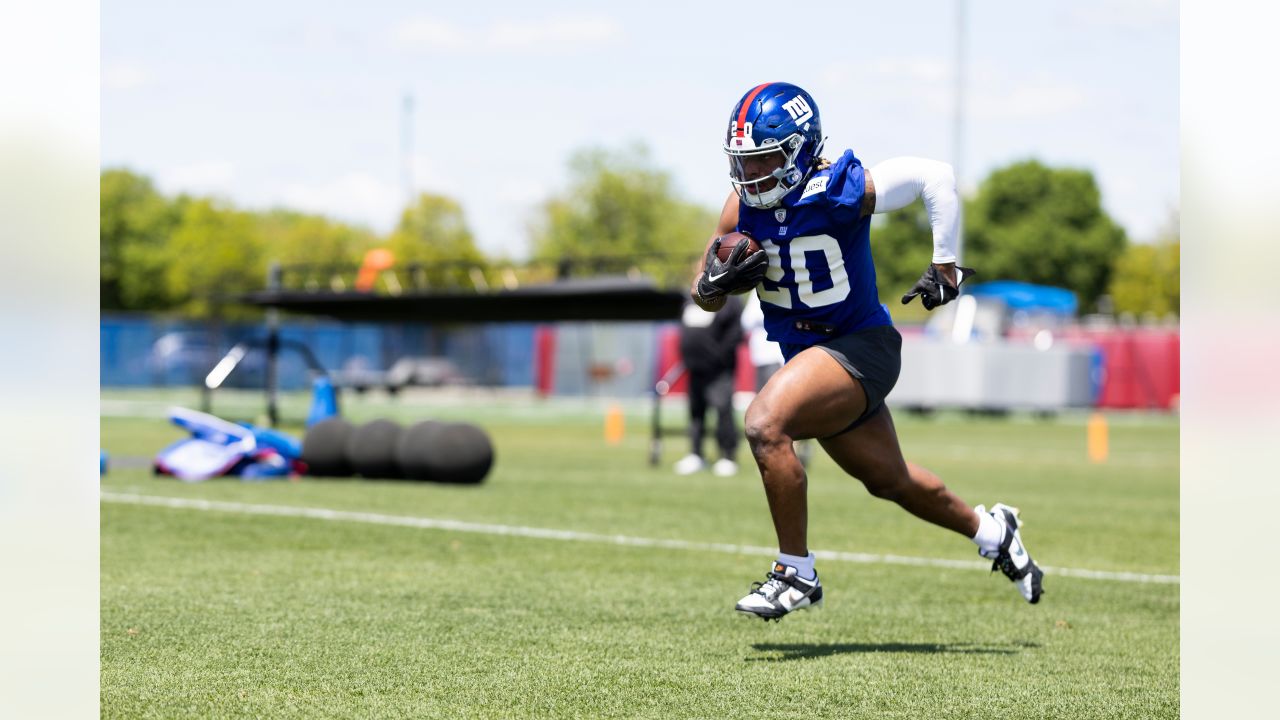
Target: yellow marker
point(1097, 432)
point(614, 425)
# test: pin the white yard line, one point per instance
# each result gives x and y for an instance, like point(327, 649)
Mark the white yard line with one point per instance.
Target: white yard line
point(576, 536)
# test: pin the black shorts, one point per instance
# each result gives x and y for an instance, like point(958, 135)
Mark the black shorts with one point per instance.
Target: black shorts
point(874, 357)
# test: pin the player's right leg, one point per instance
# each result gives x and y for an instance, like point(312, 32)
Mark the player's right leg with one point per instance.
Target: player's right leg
point(811, 396)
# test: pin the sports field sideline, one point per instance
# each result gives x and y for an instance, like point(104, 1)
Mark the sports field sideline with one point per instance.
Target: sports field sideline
point(580, 582)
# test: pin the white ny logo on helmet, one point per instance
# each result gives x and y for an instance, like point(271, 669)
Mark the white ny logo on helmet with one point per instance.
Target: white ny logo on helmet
point(798, 109)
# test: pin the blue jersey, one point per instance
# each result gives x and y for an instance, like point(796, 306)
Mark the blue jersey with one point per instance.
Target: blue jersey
point(821, 283)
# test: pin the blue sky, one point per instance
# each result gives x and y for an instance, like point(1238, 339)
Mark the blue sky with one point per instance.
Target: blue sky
point(299, 103)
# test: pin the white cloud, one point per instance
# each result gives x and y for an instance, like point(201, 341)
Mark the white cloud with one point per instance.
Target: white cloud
point(554, 35)
point(1025, 102)
point(992, 92)
point(355, 197)
point(124, 76)
point(523, 191)
point(501, 216)
point(924, 81)
point(202, 178)
point(1128, 15)
point(1145, 208)
point(426, 179)
point(430, 34)
point(915, 69)
point(560, 34)
point(500, 233)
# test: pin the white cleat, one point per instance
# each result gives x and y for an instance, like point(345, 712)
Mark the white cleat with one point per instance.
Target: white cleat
point(782, 592)
point(1011, 557)
point(724, 467)
point(689, 464)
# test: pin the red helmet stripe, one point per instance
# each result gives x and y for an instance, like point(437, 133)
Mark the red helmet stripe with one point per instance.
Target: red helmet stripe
point(746, 103)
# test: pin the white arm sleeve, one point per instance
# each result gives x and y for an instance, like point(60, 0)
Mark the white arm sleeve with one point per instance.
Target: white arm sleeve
point(899, 181)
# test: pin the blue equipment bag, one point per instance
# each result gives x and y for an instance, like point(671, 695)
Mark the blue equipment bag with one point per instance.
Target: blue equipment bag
point(217, 447)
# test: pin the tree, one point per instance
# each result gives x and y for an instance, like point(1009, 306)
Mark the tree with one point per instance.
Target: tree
point(328, 248)
point(215, 252)
point(135, 222)
point(1146, 275)
point(618, 205)
point(433, 234)
point(189, 254)
point(1043, 225)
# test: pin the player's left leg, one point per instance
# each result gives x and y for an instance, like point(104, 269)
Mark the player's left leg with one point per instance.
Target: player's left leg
point(811, 396)
point(871, 453)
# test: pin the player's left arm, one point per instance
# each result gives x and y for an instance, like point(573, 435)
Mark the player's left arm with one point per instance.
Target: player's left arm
point(898, 182)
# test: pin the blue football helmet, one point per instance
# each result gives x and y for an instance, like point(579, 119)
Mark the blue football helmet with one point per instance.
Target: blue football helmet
point(773, 143)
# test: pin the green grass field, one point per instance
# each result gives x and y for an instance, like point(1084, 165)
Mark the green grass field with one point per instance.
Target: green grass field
point(221, 611)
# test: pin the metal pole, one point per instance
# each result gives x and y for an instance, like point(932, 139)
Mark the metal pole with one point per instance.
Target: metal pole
point(214, 336)
point(274, 284)
point(958, 127)
point(406, 149)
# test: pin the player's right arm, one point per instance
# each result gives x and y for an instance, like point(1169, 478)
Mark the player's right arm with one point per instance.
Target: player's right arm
point(728, 223)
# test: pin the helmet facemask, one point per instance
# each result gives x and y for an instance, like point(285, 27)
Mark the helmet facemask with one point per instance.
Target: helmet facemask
point(756, 184)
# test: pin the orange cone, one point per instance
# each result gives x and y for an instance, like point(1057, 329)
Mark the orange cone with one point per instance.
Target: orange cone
point(614, 425)
point(1097, 433)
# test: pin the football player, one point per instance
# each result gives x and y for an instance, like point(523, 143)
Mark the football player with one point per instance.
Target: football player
point(817, 285)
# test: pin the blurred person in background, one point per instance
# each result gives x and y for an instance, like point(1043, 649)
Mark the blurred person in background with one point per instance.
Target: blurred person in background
point(709, 349)
point(817, 285)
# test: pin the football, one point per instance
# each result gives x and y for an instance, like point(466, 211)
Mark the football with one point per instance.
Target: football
point(730, 240)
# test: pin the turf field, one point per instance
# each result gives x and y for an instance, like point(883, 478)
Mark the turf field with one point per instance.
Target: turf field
point(246, 600)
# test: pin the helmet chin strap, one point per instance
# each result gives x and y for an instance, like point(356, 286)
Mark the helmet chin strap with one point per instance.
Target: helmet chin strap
point(766, 199)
